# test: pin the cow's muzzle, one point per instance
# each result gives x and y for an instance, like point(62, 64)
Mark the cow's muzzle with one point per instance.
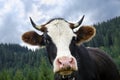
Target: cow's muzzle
point(65, 65)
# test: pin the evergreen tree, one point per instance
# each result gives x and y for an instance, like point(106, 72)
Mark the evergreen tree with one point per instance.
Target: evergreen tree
point(18, 75)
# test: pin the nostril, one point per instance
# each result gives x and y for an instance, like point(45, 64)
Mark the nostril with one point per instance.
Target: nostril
point(59, 62)
point(71, 60)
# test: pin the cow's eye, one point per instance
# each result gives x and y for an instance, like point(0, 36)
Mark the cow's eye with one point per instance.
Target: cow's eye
point(74, 38)
point(46, 41)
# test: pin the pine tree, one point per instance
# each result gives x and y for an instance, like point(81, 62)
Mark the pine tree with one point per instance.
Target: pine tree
point(18, 75)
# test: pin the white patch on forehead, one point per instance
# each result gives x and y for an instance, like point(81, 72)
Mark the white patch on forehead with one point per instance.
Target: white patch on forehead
point(61, 34)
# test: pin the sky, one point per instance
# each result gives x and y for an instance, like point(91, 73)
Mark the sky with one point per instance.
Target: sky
point(14, 14)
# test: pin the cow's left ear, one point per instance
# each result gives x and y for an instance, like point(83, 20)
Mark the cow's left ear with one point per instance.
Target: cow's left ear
point(85, 34)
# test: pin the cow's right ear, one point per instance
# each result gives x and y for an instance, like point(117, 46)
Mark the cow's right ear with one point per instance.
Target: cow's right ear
point(32, 38)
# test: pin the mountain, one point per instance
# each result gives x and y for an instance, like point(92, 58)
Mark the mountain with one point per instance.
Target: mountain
point(107, 33)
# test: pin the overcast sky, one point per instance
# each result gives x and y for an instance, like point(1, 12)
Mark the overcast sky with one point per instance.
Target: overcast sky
point(14, 14)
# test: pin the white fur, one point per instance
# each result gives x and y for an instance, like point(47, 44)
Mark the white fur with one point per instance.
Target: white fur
point(61, 34)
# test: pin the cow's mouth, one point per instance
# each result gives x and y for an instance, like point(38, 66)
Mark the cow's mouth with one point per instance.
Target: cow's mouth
point(65, 72)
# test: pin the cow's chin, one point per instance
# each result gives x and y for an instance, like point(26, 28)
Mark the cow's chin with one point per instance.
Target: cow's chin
point(66, 71)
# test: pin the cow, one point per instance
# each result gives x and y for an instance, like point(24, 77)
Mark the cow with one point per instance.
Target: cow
point(71, 60)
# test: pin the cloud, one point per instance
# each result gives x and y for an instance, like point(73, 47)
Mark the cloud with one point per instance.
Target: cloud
point(14, 14)
point(95, 10)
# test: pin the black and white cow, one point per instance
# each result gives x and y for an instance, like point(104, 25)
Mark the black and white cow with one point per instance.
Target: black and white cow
point(66, 52)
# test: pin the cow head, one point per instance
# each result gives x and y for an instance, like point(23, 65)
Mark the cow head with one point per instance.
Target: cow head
point(58, 35)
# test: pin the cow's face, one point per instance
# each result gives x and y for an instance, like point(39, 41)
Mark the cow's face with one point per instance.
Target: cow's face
point(58, 35)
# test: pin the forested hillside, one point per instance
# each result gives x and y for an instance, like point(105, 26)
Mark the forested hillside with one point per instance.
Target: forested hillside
point(19, 63)
point(15, 56)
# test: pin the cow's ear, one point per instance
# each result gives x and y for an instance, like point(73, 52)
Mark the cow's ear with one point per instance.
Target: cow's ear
point(85, 34)
point(32, 38)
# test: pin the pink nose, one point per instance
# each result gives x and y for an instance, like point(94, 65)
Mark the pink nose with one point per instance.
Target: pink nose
point(66, 63)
